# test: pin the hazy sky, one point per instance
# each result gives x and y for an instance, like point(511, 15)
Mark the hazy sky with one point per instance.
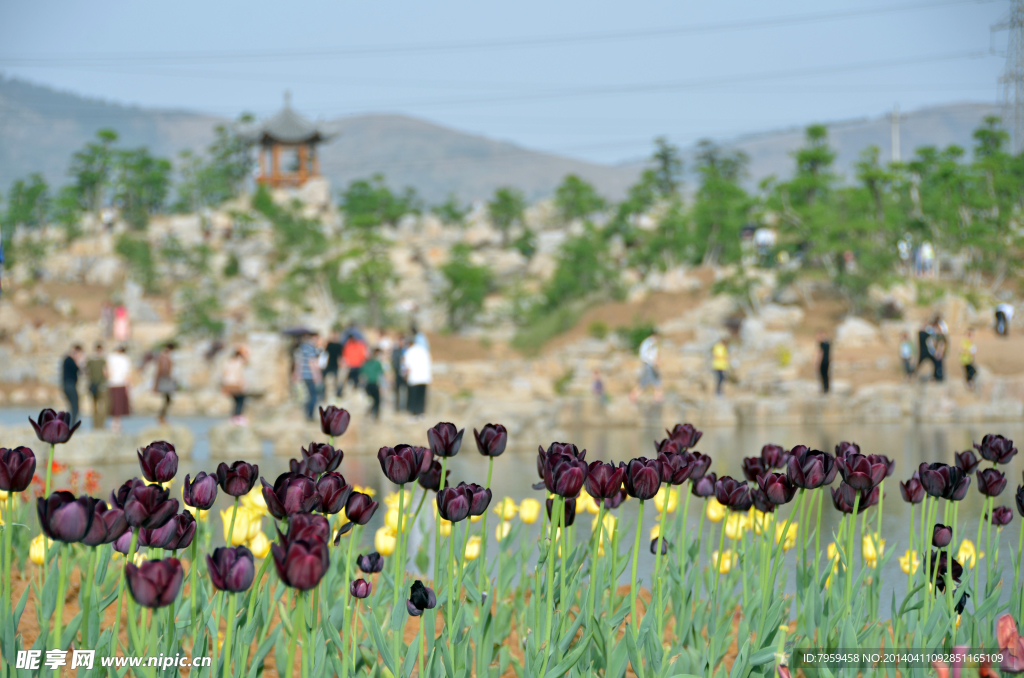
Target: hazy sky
point(587, 78)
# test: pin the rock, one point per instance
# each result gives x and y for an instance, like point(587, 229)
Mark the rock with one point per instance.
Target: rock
point(855, 332)
point(179, 436)
point(542, 266)
point(231, 442)
point(777, 317)
point(105, 270)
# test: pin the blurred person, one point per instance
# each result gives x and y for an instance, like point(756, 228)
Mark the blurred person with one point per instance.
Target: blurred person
point(307, 371)
point(824, 359)
point(924, 345)
point(71, 367)
point(354, 355)
point(163, 381)
point(401, 385)
point(419, 337)
point(96, 373)
point(719, 363)
point(907, 355)
point(121, 327)
point(418, 375)
point(968, 352)
point(372, 374)
point(333, 352)
point(939, 341)
point(597, 387)
point(119, 373)
point(649, 376)
point(233, 383)
point(1004, 314)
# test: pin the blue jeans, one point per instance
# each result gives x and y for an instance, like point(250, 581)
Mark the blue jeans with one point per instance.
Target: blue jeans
point(314, 395)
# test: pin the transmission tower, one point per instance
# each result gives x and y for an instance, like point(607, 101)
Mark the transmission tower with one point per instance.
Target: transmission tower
point(1012, 79)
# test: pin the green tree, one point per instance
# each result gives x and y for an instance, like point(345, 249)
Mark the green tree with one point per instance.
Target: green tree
point(467, 287)
point(721, 204)
point(219, 176)
point(584, 270)
point(142, 185)
point(92, 169)
point(28, 202)
point(451, 212)
point(668, 168)
point(577, 199)
point(505, 210)
point(139, 256)
point(369, 202)
point(66, 210)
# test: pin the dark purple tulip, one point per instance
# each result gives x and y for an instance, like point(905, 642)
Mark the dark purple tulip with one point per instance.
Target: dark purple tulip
point(774, 456)
point(300, 556)
point(604, 480)
point(664, 546)
point(148, 506)
point(54, 427)
point(420, 598)
point(119, 497)
point(122, 543)
point(996, 448)
point(570, 511)
point(938, 570)
point(778, 487)
point(333, 491)
point(431, 478)
point(300, 467)
point(445, 439)
point(334, 421)
point(481, 499)
point(844, 496)
point(941, 535)
point(686, 434)
point(107, 525)
point(155, 583)
point(491, 440)
point(616, 500)
point(370, 563)
point(761, 501)
point(402, 463)
point(321, 458)
point(705, 486)
point(991, 482)
point(201, 492)
point(291, 493)
point(912, 491)
point(177, 533)
point(701, 464)
point(237, 479)
point(676, 468)
point(159, 462)
point(753, 467)
point(810, 469)
point(890, 464)
point(231, 569)
point(844, 448)
point(453, 503)
point(668, 446)
point(554, 451)
point(642, 478)
point(360, 508)
point(64, 517)
point(733, 494)
point(942, 480)
point(861, 472)
point(17, 466)
point(966, 461)
point(1001, 516)
point(360, 588)
point(565, 475)
point(1020, 499)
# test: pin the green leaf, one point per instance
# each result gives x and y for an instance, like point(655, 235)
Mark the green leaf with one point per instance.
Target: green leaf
point(572, 658)
point(382, 646)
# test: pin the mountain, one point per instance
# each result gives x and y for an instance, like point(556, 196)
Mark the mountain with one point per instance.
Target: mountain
point(40, 128)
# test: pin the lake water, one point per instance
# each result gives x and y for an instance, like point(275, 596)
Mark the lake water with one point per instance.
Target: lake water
point(515, 471)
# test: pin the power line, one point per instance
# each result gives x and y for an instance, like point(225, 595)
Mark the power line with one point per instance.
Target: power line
point(478, 45)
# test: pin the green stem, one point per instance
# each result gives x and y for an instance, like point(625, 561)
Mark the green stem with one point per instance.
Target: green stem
point(593, 561)
point(437, 539)
point(87, 585)
point(848, 595)
point(193, 576)
point(230, 619)
point(8, 583)
point(49, 468)
point(817, 536)
point(1016, 572)
point(231, 527)
point(399, 574)
point(550, 597)
point(62, 554)
point(449, 618)
point(120, 591)
point(633, 617)
point(659, 612)
point(483, 537)
point(289, 667)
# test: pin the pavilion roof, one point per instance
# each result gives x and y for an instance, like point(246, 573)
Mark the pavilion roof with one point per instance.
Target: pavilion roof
point(288, 126)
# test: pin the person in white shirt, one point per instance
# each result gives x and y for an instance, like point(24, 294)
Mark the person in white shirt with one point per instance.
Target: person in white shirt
point(649, 376)
point(1004, 314)
point(417, 370)
point(119, 372)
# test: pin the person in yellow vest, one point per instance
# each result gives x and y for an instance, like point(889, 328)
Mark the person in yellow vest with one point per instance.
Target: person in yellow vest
point(968, 351)
point(719, 363)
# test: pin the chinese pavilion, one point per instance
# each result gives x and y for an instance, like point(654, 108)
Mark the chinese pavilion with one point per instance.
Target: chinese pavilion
point(288, 147)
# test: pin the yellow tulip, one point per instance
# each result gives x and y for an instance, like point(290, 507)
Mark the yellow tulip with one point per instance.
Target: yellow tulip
point(391, 501)
point(655, 531)
point(506, 509)
point(529, 511)
point(167, 485)
point(247, 524)
point(610, 523)
point(833, 556)
point(37, 549)
point(391, 520)
point(385, 541)
point(254, 500)
point(473, 548)
point(726, 562)
point(260, 545)
point(476, 519)
point(3, 497)
point(715, 511)
point(968, 555)
point(909, 562)
point(139, 558)
point(587, 503)
point(872, 548)
point(365, 490)
point(446, 527)
point(790, 538)
point(200, 514)
point(669, 494)
point(736, 525)
point(759, 520)
point(502, 530)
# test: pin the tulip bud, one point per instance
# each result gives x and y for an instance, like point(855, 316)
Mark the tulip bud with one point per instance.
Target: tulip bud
point(529, 511)
point(200, 493)
point(991, 482)
point(55, 428)
point(291, 493)
point(107, 525)
point(420, 598)
point(473, 545)
point(445, 439)
point(155, 583)
point(996, 448)
point(333, 491)
point(64, 517)
point(334, 421)
point(360, 588)
point(685, 434)
point(506, 509)
point(453, 503)
point(966, 461)
point(385, 541)
point(1001, 516)
point(231, 569)
point(402, 463)
point(642, 478)
point(655, 541)
point(259, 545)
point(237, 479)
point(360, 508)
point(371, 563)
point(159, 462)
point(501, 530)
point(17, 466)
point(491, 440)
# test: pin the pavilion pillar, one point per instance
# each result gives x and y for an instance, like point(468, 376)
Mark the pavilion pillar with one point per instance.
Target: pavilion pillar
point(275, 164)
